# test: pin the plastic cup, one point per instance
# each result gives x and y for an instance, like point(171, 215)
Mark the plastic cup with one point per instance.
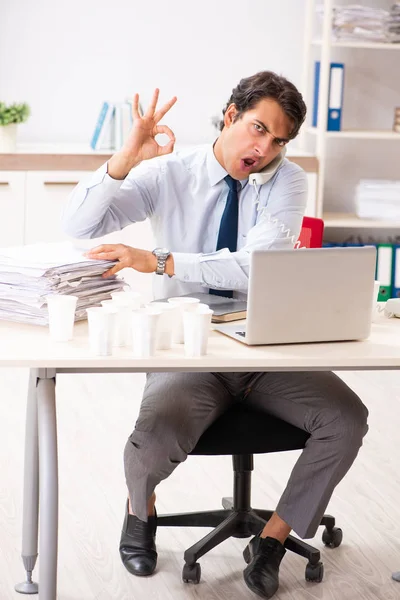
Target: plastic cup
point(166, 323)
point(101, 322)
point(61, 308)
point(122, 325)
point(144, 332)
point(196, 325)
point(132, 300)
point(184, 304)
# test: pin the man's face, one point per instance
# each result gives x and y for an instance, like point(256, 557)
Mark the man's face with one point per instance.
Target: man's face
point(250, 143)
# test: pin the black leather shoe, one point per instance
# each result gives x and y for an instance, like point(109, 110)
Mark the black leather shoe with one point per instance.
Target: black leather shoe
point(263, 557)
point(137, 547)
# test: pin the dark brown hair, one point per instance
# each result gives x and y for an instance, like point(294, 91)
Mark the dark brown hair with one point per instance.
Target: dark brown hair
point(267, 84)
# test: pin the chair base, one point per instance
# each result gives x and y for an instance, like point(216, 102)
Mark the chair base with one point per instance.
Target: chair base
point(232, 522)
point(239, 519)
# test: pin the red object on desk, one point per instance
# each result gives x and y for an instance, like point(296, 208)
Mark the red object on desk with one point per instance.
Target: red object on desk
point(312, 232)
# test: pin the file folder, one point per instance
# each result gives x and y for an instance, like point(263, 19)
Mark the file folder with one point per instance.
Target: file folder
point(384, 265)
point(396, 272)
point(335, 102)
point(335, 95)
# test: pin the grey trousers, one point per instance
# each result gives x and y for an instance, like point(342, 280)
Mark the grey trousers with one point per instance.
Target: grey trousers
point(178, 407)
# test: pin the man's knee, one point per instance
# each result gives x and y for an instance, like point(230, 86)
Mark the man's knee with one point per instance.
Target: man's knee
point(344, 421)
point(145, 455)
point(349, 422)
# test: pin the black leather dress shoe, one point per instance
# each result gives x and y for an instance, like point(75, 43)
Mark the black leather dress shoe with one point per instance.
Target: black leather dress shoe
point(263, 557)
point(137, 547)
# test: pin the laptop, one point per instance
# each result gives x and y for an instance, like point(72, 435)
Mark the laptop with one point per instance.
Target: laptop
point(312, 295)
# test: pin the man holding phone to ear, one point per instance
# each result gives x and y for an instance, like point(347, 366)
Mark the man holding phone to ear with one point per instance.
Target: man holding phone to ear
point(206, 223)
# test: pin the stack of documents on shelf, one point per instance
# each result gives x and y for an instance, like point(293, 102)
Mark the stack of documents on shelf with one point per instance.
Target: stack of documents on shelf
point(378, 199)
point(29, 273)
point(356, 22)
point(394, 22)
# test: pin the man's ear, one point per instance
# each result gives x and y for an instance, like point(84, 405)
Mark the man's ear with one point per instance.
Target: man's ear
point(230, 114)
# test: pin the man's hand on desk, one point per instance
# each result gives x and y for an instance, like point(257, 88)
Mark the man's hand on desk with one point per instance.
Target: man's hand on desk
point(143, 261)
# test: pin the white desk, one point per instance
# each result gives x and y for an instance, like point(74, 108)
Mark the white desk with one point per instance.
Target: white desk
point(30, 346)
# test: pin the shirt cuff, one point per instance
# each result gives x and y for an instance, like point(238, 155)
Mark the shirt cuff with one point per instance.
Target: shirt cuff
point(101, 176)
point(187, 267)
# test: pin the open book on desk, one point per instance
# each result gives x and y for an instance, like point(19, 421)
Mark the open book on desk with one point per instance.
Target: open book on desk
point(225, 309)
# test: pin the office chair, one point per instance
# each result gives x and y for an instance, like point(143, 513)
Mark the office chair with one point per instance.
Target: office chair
point(242, 432)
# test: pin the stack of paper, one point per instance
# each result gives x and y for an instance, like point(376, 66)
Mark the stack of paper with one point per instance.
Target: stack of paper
point(394, 22)
point(356, 22)
point(378, 199)
point(29, 273)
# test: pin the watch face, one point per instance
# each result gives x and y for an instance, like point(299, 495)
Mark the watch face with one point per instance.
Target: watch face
point(161, 251)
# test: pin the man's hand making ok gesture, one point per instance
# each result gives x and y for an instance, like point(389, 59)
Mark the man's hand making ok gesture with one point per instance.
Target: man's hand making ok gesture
point(141, 143)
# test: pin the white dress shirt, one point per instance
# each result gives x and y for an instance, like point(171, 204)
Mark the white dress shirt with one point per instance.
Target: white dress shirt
point(184, 195)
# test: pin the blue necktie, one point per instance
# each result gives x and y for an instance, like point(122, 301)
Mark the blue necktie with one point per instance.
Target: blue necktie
point(228, 229)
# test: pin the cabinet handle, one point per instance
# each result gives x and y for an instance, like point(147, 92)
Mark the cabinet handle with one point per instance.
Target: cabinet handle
point(3, 182)
point(61, 182)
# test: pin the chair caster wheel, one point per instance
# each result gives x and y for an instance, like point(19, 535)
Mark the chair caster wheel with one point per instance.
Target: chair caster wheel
point(332, 537)
point(315, 572)
point(191, 573)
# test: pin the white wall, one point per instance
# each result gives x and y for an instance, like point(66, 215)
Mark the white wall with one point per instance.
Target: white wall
point(65, 58)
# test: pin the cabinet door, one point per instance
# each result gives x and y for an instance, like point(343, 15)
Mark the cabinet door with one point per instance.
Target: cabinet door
point(46, 195)
point(12, 202)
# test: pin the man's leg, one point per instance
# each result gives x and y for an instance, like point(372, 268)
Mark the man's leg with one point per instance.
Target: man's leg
point(176, 409)
point(336, 419)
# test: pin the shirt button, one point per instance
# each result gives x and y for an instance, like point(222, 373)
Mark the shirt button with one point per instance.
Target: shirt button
point(186, 277)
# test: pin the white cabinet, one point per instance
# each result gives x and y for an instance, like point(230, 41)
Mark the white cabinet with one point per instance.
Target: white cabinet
point(12, 203)
point(46, 194)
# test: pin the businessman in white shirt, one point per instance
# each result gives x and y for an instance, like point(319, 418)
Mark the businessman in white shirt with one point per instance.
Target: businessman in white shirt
point(206, 222)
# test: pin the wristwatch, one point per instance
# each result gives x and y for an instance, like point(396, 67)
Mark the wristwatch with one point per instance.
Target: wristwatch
point(162, 255)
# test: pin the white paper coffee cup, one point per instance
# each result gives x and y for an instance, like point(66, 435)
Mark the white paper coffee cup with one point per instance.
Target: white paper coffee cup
point(196, 325)
point(144, 332)
point(184, 304)
point(101, 323)
point(61, 309)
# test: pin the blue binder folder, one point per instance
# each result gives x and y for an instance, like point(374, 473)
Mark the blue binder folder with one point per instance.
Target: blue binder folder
point(335, 96)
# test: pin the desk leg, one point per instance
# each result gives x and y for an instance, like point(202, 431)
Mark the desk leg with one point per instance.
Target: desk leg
point(31, 490)
point(48, 477)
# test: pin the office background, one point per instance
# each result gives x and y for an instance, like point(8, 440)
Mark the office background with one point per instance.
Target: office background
point(64, 59)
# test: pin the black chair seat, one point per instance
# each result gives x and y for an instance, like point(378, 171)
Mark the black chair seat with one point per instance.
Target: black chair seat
point(243, 430)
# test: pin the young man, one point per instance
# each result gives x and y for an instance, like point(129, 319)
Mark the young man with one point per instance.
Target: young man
point(206, 221)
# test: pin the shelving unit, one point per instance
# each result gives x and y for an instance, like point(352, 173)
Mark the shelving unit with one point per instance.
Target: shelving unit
point(350, 221)
point(359, 134)
point(321, 136)
point(366, 45)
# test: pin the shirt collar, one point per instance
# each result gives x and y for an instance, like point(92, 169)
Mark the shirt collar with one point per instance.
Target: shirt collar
point(216, 172)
